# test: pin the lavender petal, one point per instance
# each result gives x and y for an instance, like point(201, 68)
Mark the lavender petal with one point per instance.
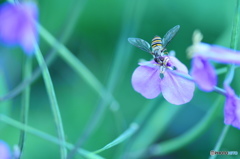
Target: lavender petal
point(203, 74)
point(217, 53)
point(18, 25)
point(146, 81)
point(176, 89)
point(179, 65)
point(4, 150)
point(232, 108)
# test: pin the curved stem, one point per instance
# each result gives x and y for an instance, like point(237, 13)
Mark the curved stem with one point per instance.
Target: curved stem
point(53, 100)
point(25, 103)
point(220, 140)
point(235, 30)
point(84, 153)
point(76, 64)
point(148, 119)
point(174, 144)
point(130, 20)
point(126, 134)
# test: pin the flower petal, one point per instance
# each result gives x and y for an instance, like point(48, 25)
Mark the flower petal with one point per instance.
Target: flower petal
point(232, 108)
point(29, 33)
point(18, 25)
point(175, 89)
point(203, 74)
point(146, 80)
point(217, 53)
point(4, 150)
point(180, 66)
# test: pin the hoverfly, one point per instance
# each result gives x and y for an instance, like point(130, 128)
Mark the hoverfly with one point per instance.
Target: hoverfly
point(158, 45)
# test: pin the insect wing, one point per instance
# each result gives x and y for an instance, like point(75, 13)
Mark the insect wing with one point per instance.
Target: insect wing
point(169, 35)
point(141, 44)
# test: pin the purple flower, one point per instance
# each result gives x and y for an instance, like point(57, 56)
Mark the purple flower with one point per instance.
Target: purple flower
point(175, 89)
point(203, 74)
point(202, 71)
point(232, 108)
point(4, 150)
point(18, 25)
point(216, 53)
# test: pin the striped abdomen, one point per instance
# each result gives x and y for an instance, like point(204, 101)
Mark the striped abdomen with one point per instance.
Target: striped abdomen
point(156, 42)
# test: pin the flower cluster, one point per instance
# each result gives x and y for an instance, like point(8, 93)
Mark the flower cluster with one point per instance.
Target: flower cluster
point(232, 108)
point(152, 78)
point(18, 25)
point(202, 70)
point(175, 89)
point(205, 76)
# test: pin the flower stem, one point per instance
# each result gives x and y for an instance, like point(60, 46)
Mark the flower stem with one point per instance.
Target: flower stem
point(84, 153)
point(220, 140)
point(25, 102)
point(174, 144)
point(148, 121)
point(231, 69)
point(235, 30)
point(131, 22)
point(129, 132)
point(142, 118)
point(230, 75)
point(75, 63)
point(53, 100)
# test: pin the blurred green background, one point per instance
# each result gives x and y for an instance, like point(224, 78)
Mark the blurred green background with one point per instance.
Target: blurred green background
point(99, 39)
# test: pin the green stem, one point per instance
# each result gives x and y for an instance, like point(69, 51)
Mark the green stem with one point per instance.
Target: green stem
point(148, 120)
point(131, 22)
point(231, 70)
point(84, 153)
point(129, 132)
point(76, 64)
point(220, 140)
point(53, 100)
point(235, 30)
point(221, 70)
point(174, 144)
point(25, 102)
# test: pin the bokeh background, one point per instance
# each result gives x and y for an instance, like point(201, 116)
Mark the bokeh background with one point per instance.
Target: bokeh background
point(96, 31)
